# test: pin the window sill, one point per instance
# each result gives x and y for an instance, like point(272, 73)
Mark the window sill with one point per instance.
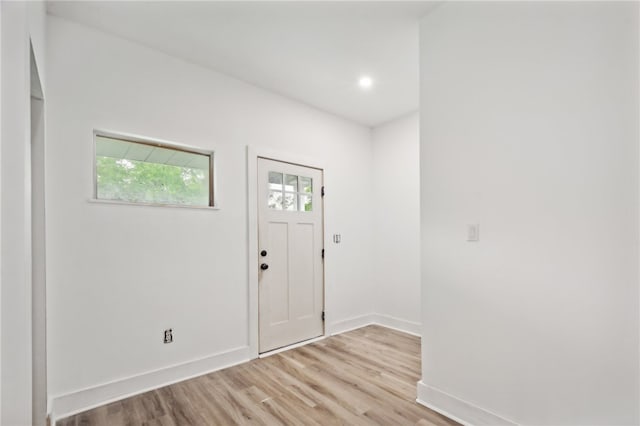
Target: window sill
point(128, 203)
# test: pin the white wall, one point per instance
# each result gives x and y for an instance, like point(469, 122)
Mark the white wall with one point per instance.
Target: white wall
point(37, 28)
point(396, 222)
point(21, 22)
point(118, 275)
point(38, 262)
point(529, 127)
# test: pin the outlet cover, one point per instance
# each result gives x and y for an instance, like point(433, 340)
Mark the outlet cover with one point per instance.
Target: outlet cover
point(168, 335)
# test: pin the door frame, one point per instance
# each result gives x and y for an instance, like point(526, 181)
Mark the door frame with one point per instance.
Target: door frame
point(253, 153)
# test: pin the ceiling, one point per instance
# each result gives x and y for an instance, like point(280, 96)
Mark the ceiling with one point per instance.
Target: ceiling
point(313, 52)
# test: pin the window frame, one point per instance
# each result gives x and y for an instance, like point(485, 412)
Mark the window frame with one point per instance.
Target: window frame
point(125, 137)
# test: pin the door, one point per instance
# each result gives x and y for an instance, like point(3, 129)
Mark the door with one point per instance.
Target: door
point(290, 243)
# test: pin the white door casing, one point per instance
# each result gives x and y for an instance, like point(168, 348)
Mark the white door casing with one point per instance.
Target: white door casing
point(290, 234)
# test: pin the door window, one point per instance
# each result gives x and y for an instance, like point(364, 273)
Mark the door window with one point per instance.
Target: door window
point(290, 192)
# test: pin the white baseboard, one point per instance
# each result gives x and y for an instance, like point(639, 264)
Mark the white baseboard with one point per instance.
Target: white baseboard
point(349, 324)
point(76, 402)
point(457, 409)
point(388, 321)
point(399, 324)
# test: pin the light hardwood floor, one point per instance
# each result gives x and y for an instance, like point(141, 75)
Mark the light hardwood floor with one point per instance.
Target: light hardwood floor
point(366, 376)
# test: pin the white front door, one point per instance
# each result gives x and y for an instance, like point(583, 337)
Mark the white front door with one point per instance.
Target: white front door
point(290, 243)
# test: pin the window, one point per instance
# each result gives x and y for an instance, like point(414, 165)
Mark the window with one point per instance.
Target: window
point(138, 171)
point(290, 192)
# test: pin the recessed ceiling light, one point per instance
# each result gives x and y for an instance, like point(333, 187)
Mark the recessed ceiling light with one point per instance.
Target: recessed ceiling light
point(365, 82)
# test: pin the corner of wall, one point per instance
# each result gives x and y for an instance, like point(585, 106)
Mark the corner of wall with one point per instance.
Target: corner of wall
point(395, 265)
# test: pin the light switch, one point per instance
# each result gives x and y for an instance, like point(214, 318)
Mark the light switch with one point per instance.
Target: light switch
point(473, 232)
point(337, 238)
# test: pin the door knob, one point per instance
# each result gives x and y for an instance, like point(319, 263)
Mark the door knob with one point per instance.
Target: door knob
point(264, 266)
point(263, 253)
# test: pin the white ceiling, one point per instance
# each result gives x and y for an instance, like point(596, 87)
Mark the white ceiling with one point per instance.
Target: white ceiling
point(313, 52)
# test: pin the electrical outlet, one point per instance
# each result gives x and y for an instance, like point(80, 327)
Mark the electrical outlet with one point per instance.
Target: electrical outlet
point(168, 335)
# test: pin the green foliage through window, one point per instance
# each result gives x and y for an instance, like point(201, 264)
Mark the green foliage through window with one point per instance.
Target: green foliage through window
point(124, 172)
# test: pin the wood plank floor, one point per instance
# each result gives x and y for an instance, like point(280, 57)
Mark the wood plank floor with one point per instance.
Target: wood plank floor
point(366, 376)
